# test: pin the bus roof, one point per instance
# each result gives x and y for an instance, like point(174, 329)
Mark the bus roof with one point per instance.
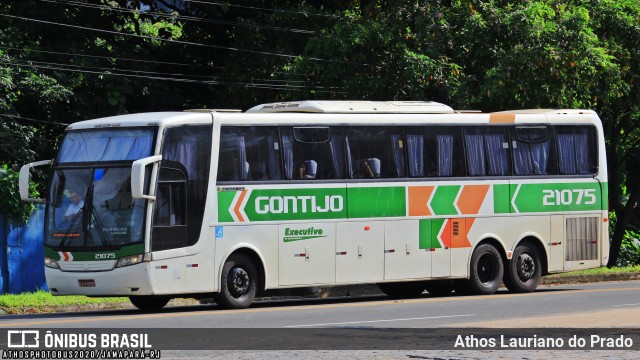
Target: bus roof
point(356, 112)
point(355, 107)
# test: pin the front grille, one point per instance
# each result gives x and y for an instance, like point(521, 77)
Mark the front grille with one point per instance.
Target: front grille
point(87, 266)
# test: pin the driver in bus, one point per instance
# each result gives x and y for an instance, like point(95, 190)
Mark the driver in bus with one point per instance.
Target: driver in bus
point(76, 205)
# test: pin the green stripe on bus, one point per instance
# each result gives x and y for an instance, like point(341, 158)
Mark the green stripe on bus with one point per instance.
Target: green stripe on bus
point(296, 204)
point(501, 199)
point(368, 202)
point(584, 196)
point(436, 227)
point(443, 199)
point(224, 202)
point(427, 238)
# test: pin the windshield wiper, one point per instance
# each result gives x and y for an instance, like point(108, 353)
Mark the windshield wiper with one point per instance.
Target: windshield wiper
point(86, 220)
point(73, 221)
point(99, 228)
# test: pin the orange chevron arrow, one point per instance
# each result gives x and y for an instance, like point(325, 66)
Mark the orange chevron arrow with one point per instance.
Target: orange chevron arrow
point(418, 200)
point(236, 209)
point(471, 199)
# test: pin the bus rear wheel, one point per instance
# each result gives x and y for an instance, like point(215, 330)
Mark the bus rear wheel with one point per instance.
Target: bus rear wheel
point(149, 303)
point(239, 283)
point(403, 289)
point(487, 270)
point(524, 271)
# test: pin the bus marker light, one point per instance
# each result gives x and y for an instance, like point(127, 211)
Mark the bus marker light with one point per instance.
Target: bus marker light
point(432, 249)
point(367, 228)
point(605, 219)
point(192, 265)
point(161, 267)
point(341, 253)
point(390, 251)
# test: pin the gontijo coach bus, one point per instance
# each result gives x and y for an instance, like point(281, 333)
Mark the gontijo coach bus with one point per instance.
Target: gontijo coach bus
point(406, 195)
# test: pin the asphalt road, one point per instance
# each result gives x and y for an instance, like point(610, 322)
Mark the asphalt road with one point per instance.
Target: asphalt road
point(586, 306)
point(615, 304)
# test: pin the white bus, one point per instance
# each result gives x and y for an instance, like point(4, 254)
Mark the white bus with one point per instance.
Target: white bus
point(406, 195)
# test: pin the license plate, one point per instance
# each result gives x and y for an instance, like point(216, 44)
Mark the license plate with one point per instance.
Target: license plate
point(87, 283)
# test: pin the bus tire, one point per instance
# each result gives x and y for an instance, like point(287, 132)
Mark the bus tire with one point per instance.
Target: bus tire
point(403, 289)
point(524, 271)
point(239, 283)
point(150, 302)
point(486, 270)
point(439, 287)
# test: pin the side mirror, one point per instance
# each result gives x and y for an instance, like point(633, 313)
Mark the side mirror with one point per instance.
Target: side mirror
point(25, 178)
point(138, 177)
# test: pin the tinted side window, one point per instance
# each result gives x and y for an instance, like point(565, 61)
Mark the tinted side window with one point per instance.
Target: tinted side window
point(531, 150)
point(249, 154)
point(375, 152)
point(313, 153)
point(434, 151)
point(184, 175)
point(486, 150)
point(576, 149)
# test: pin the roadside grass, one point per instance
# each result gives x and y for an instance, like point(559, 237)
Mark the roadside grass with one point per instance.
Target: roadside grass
point(601, 271)
point(42, 301)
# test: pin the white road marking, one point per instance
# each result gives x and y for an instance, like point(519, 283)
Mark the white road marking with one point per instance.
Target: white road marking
point(374, 321)
point(636, 304)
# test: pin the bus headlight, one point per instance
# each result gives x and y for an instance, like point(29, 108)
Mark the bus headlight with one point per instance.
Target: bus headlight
point(50, 263)
point(133, 259)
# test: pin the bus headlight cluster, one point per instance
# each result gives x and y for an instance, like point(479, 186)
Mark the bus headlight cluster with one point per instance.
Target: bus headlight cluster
point(132, 260)
point(51, 263)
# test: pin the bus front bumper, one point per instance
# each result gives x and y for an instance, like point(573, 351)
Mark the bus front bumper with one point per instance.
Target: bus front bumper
point(124, 281)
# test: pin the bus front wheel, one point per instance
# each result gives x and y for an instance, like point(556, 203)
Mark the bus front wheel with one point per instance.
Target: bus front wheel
point(239, 283)
point(486, 270)
point(149, 303)
point(524, 271)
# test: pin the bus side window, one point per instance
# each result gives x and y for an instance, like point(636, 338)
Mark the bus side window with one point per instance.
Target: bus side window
point(575, 148)
point(531, 150)
point(186, 150)
point(487, 151)
point(170, 198)
point(434, 151)
point(249, 153)
point(376, 152)
point(314, 152)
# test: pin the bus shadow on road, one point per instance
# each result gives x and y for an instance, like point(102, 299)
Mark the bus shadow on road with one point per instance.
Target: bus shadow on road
point(263, 303)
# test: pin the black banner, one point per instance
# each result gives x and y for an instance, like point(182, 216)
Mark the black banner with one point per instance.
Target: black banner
point(322, 339)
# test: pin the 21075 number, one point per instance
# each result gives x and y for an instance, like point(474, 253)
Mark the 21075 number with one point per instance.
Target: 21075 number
point(569, 197)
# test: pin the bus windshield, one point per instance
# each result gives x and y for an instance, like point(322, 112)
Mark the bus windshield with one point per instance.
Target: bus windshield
point(106, 145)
point(93, 208)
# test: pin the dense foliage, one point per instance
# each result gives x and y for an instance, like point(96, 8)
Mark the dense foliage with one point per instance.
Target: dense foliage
point(67, 60)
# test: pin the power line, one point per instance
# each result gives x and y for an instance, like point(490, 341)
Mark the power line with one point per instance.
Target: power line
point(177, 41)
point(128, 59)
point(215, 78)
point(258, 8)
point(112, 58)
point(180, 17)
point(34, 120)
point(192, 81)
